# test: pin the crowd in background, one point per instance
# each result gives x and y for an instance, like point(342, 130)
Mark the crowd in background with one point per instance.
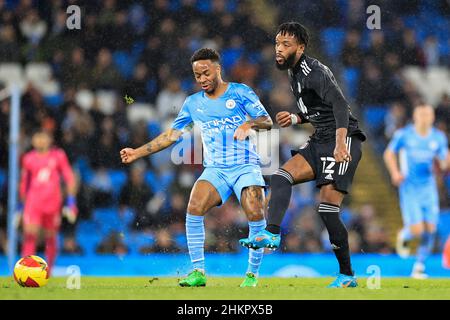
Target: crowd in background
point(142, 49)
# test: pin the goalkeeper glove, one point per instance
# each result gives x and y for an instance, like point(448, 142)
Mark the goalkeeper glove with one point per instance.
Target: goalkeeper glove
point(70, 210)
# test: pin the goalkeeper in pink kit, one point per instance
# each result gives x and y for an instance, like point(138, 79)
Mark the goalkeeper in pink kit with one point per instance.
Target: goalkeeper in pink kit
point(40, 192)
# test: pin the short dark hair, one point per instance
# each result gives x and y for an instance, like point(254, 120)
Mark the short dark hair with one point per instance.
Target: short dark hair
point(205, 54)
point(296, 29)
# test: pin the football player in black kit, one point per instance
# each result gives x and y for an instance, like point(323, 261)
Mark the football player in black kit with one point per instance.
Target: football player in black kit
point(331, 155)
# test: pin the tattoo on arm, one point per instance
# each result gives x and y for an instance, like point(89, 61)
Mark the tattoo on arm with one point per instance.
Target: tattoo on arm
point(161, 142)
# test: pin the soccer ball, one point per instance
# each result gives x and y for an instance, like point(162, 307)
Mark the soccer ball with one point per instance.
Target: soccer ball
point(31, 271)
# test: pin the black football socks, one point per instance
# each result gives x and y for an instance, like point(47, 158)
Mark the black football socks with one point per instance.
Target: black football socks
point(338, 235)
point(281, 189)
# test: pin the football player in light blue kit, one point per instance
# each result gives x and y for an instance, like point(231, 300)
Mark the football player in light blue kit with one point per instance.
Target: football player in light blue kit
point(409, 158)
point(231, 163)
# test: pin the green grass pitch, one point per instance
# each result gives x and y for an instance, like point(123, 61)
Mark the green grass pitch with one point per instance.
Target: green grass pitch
point(225, 289)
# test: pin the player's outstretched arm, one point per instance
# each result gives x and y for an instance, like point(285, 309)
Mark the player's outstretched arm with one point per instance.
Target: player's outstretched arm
point(260, 123)
point(161, 142)
point(390, 159)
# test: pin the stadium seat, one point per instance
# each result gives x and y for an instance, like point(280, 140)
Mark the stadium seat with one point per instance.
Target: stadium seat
point(152, 87)
point(84, 169)
point(118, 179)
point(154, 128)
point(374, 116)
point(107, 221)
point(140, 112)
point(38, 72)
point(88, 242)
point(85, 99)
point(351, 79)
point(136, 241)
point(204, 6)
point(124, 62)
point(2, 179)
point(181, 240)
point(332, 40)
point(54, 100)
point(11, 73)
point(152, 180)
point(230, 56)
point(86, 227)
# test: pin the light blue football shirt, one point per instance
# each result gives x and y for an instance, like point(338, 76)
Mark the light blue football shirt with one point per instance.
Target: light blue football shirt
point(218, 119)
point(416, 153)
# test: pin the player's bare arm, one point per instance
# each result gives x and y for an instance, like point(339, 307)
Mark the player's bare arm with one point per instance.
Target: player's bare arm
point(390, 159)
point(161, 142)
point(445, 164)
point(260, 123)
point(341, 152)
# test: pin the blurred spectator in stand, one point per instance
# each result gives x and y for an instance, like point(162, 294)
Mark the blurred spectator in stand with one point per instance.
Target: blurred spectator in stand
point(113, 244)
point(376, 240)
point(137, 86)
point(9, 48)
point(411, 52)
point(245, 71)
point(76, 71)
point(352, 53)
point(395, 118)
point(105, 75)
point(170, 100)
point(377, 48)
point(164, 243)
point(33, 28)
point(70, 246)
point(136, 195)
point(431, 51)
point(372, 81)
point(102, 188)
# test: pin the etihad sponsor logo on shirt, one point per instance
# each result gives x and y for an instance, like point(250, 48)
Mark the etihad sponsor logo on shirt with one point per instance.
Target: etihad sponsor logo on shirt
point(223, 123)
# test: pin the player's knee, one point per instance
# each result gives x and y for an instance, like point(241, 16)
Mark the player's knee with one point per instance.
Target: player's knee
point(50, 234)
point(31, 230)
point(329, 194)
point(196, 208)
point(280, 178)
point(417, 230)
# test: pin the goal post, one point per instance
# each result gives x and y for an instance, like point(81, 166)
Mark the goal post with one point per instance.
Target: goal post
point(13, 92)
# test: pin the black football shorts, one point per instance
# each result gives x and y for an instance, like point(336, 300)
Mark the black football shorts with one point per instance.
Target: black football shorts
point(326, 170)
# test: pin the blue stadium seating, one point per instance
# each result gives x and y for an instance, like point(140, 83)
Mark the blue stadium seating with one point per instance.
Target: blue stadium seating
point(54, 100)
point(88, 242)
point(3, 178)
point(118, 179)
point(86, 227)
point(136, 241)
point(124, 63)
point(374, 116)
point(332, 40)
point(152, 180)
point(351, 79)
point(107, 221)
point(230, 56)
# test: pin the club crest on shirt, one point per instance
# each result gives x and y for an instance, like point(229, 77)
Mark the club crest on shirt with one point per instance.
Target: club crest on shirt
point(230, 104)
point(433, 145)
